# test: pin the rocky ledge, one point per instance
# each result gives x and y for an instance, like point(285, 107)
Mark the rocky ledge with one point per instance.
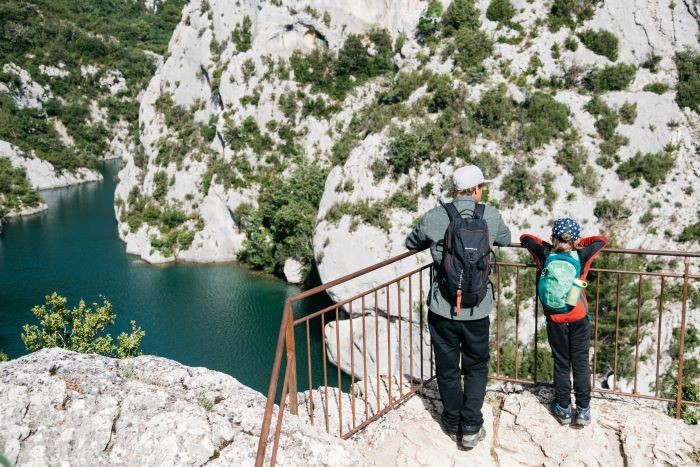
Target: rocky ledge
point(60, 407)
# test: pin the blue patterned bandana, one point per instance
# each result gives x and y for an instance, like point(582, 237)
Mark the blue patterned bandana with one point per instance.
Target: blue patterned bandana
point(566, 225)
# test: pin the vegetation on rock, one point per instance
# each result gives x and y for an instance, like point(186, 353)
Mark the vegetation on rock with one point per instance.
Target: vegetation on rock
point(80, 329)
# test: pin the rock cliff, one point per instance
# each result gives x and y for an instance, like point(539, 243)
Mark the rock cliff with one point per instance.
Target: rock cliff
point(59, 407)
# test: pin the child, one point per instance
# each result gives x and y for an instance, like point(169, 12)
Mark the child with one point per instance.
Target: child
point(568, 332)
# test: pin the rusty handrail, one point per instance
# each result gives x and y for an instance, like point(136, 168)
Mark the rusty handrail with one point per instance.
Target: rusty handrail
point(286, 339)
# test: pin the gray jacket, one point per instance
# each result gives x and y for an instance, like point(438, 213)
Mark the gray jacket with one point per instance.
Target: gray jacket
point(431, 230)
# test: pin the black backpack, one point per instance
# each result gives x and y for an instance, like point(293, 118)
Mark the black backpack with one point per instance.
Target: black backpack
point(465, 263)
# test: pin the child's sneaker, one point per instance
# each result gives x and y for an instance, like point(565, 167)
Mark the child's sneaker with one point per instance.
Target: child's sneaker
point(583, 416)
point(563, 415)
point(471, 440)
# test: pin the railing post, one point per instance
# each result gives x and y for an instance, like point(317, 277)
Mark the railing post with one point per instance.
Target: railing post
point(291, 359)
point(681, 350)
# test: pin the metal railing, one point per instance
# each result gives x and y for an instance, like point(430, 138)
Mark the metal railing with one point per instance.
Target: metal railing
point(389, 357)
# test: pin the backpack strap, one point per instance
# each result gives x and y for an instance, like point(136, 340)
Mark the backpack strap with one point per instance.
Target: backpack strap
point(479, 211)
point(452, 211)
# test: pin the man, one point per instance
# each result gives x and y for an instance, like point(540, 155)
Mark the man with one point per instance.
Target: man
point(459, 334)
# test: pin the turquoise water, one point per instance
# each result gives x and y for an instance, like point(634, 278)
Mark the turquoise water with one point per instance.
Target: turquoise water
point(220, 316)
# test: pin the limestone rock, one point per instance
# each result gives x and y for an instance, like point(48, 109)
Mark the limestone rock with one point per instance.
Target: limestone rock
point(59, 407)
point(24, 90)
point(41, 174)
point(293, 270)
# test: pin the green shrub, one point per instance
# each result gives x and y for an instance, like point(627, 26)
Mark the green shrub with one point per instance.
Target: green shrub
point(600, 42)
point(569, 13)
point(611, 210)
point(611, 78)
point(403, 85)
point(571, 43)
point(461, 14)
point(653, 167)
point(443, 94)
point(574, 159)
point(472, 47)
point(501, 11)
point(652, 63)
point(688, 87)
point(496, 109)
point(15, 191)
point(544, 118)
point(429, 22)
point(160, 182)
point(406, 150)
point(283, 225)
point(401, 200)
point(520, 185)
point(242, 36)
point(656, 88)
point(690, 233)
point(628, 113)
point(79, 329)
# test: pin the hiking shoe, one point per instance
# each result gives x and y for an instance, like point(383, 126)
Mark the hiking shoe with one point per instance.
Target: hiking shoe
point(583, 416)
point(453, 436)
point(471, 440)
point(563, 415)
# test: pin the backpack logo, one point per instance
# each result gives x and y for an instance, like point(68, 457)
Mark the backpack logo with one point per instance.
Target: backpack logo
point(465, 264)
point(558, 275)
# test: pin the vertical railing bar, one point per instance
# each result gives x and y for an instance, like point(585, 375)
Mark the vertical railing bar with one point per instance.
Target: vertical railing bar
point(398, 301)
point(364, 356)
point(420, 335)
point(410, 331)
point(338, 356)
point(352, 367)
point(388, 342)
point(681, 349)
point(278, 425)
point(325, 371)
point(534, 373)
point(517, 317)
point(636, 342)
point(310, 405)
point(376, 344)
point(595, 335)
point(431, 275)
point(617, 329)
point(498, 324)
point(658, 336)
point(292, 362)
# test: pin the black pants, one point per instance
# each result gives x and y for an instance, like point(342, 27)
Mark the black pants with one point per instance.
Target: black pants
point(569, 343)
point(466, 342)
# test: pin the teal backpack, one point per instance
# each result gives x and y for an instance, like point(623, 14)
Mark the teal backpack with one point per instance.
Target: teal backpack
point(558, 274)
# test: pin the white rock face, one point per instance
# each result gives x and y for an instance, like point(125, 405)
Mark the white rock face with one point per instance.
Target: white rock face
point(59, 408)
point(41, 174)
point(114, 81)
point(55, 71)
point(293, 271)
point(25, 92)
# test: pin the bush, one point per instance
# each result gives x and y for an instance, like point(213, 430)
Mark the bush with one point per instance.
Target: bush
point(444, 95)
point(611, 210)
point(429, 21)
point(406, 150)
point(653, 167)
point(241, 35)
point(600, 42)
point(656, 88)
point(496, 109)
point(575, 160)
point(571, 43)
point(79, 329)
point(610, 78)
point(501, 11)
point(15, 191)
point(472, 47)
point(461, 14)
point(690, 233)
point(628, 113)
point(688, 87)
point(544, 118)
point(569, 13)
point(520, 185)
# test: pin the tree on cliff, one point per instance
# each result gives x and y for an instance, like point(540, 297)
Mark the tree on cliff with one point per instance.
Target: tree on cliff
point(79, 329)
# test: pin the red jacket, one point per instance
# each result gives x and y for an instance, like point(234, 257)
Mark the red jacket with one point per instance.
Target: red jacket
point(588, 249)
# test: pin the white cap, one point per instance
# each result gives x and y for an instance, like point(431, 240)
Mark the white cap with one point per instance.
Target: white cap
point(468, 176)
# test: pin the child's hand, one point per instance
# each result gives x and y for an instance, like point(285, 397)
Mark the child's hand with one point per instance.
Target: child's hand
point(577, 243)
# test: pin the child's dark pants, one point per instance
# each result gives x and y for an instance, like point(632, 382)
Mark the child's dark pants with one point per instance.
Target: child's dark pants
point(569, 343)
